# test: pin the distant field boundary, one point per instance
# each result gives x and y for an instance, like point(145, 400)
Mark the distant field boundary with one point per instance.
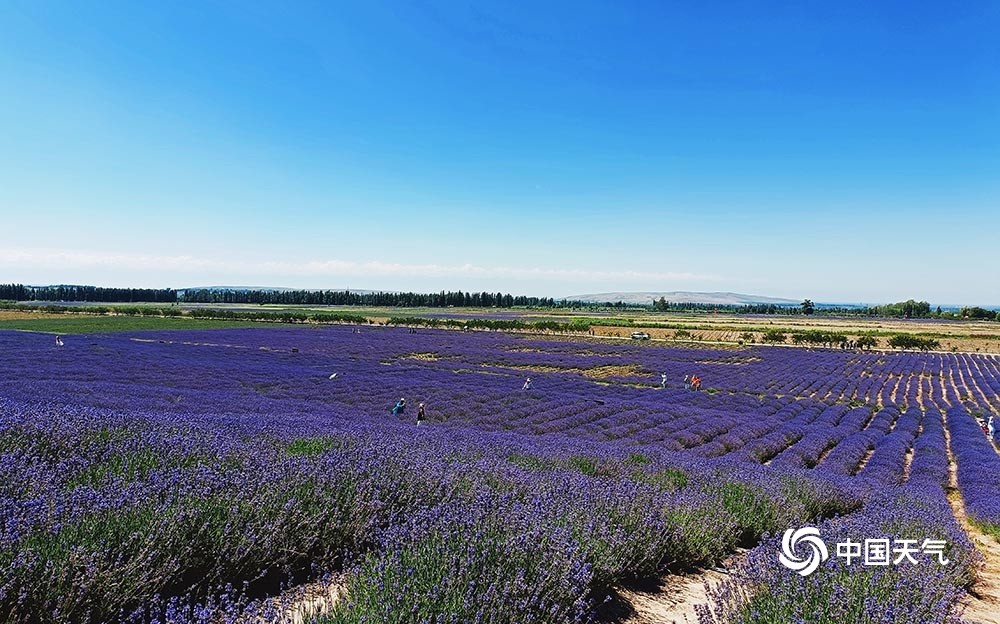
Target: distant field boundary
point(70, 319)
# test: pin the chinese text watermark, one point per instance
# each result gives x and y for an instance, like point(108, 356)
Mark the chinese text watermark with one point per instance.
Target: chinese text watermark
point(803, 550)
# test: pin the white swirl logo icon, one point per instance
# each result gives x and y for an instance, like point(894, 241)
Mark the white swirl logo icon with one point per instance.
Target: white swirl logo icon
point(808, 536)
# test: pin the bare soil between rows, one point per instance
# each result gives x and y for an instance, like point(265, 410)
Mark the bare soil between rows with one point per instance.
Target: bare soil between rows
point(981, 605)
point(668, 599)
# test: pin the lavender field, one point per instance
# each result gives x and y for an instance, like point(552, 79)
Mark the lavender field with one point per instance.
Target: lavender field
point(202, 476)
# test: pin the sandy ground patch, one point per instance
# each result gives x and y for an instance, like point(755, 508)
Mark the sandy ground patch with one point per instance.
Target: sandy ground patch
point(596, 372)
point(669, 599)
point(299, 605)
point(426, 357)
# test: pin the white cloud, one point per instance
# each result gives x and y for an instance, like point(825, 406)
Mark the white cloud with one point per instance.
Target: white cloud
point(49, 259)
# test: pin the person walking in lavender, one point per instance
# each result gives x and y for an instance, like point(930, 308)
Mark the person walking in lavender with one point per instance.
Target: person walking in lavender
point(420, 414)
point(989, 427)
point(399, 407)
point(687, 382)
point(663, 380)
point(527, 384)
point(59, 341)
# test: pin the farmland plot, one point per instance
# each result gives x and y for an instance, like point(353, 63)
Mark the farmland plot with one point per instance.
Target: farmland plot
point(186, 476)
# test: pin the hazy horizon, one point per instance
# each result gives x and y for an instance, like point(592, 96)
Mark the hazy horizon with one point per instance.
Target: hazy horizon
point(576, 296)
point(844, 153)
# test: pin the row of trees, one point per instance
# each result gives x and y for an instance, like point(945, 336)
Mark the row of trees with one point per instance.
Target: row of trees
point(292, 316)
point(662, 305)
point(836, 339)
point(909, 341)
point(580, 325)
point(978, 313)
point(904, 309)
point(458, 298)
point(442, 299)
point(275, 316)
point(20, 292)
point(817, 337)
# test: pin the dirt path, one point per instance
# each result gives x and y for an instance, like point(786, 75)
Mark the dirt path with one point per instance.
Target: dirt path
point(300, 604)
point(863, 461)
point(907, 462)
point(981, 605)
point(671, 599)
point(674, 600)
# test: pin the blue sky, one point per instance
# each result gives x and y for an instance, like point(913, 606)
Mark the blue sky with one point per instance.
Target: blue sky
point(837, 151)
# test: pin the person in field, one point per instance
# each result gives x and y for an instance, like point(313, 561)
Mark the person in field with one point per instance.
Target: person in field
point(687, 382)
point(59, 341)
point(696, 383)
point(399, 407)
point(527, 384)
point(663, 380)
point(989, 427)
point(420, 414)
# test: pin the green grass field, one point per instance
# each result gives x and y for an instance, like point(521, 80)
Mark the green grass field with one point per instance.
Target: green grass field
point(86, 324)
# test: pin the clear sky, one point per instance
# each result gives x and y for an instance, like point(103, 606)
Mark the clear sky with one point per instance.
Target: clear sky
point(841, 151)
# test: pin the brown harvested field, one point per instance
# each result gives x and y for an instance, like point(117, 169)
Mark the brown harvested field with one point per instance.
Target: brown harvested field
point(20, 315)
point(966, 336)
point(596, 372)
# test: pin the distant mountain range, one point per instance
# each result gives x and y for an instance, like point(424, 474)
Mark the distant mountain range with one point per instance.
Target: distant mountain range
point(681, 296)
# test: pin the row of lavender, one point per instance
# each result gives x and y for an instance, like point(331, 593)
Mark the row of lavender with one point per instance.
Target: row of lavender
point(468, 379)
point(143, 515)
point(259, 367)
point(978, 471)
point(923, 586)
point(252, 511)
point(256, 372)
point(938, 380)
point(905, 505)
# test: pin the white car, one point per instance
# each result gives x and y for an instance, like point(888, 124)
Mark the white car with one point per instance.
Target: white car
point(640, 336)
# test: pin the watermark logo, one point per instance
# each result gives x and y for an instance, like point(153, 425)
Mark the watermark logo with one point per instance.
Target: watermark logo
point(816, 548)
point(869, 552)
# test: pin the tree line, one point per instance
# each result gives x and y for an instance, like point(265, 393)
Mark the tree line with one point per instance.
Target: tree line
point(903, 309)
point(838, 339)
point(441, 299)
point(20, 292)
point(907, 309)
point(662, 305)
point(458, 298)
